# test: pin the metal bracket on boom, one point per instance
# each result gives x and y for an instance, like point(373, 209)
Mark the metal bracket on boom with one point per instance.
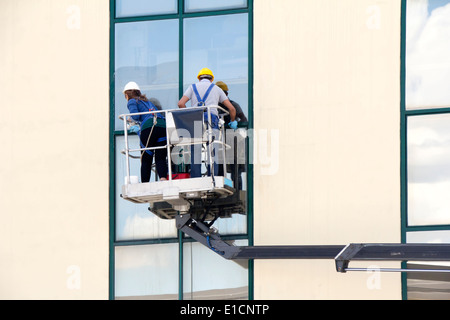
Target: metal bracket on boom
point(206, 235)
point(392, 252)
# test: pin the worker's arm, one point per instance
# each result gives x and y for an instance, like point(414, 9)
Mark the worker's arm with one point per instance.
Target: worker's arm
point(242, 117)
point(239, 113)
point(133, 108)
point(231, 109)
point(182, 102)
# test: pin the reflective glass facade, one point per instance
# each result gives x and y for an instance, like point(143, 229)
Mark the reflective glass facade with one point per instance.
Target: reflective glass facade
point(426, 147)
point(162, 45)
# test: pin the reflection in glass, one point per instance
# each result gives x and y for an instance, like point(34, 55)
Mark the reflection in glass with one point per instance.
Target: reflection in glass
point(441, 236)
point(205, 5)
point(237, 224)
point(147, 53)
point(428, 286)
point(428, 169)
point(427, 54)
point(219, 43)
point(134, 221)
point(207, 275)
point(146, 272)
point(132, 8)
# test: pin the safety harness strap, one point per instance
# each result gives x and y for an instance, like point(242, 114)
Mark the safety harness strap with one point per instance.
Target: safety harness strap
point(201, 101)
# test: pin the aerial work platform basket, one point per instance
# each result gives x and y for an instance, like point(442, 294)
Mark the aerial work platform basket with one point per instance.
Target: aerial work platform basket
point(211, 196)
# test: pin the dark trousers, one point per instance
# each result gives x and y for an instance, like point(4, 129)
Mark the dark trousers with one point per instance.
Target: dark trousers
point(196, 159)
point(196, 166)
point(157, 138)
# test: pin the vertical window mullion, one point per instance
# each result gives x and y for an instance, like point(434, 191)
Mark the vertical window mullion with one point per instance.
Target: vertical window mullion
point(180, 93)
point(424, 110)
point(180, 47)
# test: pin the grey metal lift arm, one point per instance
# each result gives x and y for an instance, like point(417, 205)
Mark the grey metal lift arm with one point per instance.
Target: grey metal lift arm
point(207, 236)
point(341, 254)
point(289, 252)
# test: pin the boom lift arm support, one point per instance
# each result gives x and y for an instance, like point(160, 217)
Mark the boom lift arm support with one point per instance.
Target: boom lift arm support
point(183, 200)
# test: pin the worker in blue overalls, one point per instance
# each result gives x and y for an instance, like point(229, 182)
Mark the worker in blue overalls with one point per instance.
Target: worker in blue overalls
point(206, 93)
point(152, 131)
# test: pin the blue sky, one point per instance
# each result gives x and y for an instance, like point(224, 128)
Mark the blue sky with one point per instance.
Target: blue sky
point(433, 4)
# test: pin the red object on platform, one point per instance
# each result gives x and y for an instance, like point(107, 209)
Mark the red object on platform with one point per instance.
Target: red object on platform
point(176, 176)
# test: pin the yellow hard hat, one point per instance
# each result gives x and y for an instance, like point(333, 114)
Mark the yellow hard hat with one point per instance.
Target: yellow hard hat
point(222, 85)
point(205, 72)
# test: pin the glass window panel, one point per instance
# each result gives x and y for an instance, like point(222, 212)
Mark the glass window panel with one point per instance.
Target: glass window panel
point(441, 236)
point(428, 169)
point(134, 221)
point(427, 54)
point(237, 224)
point(206, 275)
point(205, 5)
point(219, 43)
point(428, 286)
point(147, 53)
point(132, 8)
point(146, 272)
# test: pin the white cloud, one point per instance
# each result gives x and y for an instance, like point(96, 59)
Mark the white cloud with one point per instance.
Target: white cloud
point(428, 203)
point(428, 55)
point(429, 169)
point(147, 225)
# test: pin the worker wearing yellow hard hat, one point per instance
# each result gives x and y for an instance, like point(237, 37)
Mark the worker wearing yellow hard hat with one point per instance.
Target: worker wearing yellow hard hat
point(222, 85)
point(205, 73)
point(240, 116)
point(236, 164)
point(206, 93)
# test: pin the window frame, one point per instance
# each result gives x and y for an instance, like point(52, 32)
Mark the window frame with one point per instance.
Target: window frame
point(180, 239)
point(404, 115)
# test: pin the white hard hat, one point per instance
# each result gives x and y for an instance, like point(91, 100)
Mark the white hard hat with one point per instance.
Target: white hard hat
point(131, 86)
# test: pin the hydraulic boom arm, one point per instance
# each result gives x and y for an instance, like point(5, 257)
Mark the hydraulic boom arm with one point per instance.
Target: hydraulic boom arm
point(342, 254)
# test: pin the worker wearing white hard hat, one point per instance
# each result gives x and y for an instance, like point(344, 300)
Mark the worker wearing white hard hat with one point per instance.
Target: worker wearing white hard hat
point(152, 131)
point(131, 86)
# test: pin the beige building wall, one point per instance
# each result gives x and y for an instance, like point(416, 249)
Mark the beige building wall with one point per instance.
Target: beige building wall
point(327, 79)
point(54, 176)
